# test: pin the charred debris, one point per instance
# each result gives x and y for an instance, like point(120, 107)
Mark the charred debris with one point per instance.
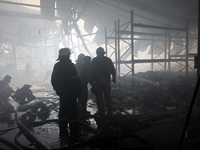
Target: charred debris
point(140, 101)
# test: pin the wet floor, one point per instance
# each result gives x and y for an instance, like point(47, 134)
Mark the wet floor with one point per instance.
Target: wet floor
point(151, 113)
point(46, 133)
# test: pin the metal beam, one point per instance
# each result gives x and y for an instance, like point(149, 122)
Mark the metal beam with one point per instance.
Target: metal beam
point(24, 15)
point(22, 4)
point(155, 27)
point(152, 10)
point(154, 60)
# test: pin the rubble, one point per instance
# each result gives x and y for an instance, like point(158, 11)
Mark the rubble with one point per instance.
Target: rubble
point(139, 101)
point(155, 91)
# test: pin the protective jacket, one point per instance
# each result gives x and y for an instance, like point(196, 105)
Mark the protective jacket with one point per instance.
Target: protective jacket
point(101, 68)
point(67, 85)
point(64, 78)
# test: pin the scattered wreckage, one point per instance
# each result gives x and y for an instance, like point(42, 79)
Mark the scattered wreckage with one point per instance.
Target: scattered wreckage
point(139, 102)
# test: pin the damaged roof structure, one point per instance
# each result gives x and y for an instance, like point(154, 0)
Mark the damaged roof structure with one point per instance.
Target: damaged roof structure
point(154, 46)
point(33, 31)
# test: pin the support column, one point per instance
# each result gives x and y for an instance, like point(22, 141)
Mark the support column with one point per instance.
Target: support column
point(118, 46)
point(106, 48)
point(116, 61)
point(198, 50)
point(132, 45)
point(169, 51)
point(165, 53)
point(186, 47)
point(14, 59)
point(152, 52)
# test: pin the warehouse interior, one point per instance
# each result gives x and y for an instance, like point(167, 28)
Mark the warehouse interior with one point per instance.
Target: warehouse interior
point(153, 45)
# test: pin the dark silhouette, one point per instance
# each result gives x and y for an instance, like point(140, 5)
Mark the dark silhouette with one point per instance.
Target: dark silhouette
point(84, 76)
point(67, 85)
point(31, 107)
point(101, 69)
point(79, 63)
point(5, 92)
point(28, 69)
point(23, 95)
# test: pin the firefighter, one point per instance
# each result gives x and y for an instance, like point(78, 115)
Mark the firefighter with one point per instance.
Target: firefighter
point(79, 63)
point(84, 76)
point(66, 83)
point(101, 69)
point(5, 92)
point(28, 69)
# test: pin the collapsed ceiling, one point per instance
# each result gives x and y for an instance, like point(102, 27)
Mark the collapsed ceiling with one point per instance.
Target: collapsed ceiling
point(18, 17)
point(47, 23)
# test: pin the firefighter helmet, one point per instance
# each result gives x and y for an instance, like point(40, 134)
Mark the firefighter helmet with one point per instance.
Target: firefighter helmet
point(100, 50)
point(64, 52)
point(80, 57)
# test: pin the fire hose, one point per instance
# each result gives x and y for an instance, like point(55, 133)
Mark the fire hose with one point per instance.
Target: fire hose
point(33, 140)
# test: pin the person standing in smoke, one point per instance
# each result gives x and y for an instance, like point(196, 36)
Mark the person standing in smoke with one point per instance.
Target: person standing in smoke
point(5, 92)
point(84, 76)
point(28, 69)
point(101, 69)
point(79, 63)
point(67, 84)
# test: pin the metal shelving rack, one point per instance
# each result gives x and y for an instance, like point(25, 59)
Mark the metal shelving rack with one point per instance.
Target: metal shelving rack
point(131, 32)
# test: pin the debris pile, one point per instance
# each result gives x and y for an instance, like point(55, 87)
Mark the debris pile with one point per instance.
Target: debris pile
point(140, 101)
point(154, 91)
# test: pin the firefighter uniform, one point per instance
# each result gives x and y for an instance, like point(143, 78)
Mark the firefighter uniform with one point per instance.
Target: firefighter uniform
point(66, 83)
point(84, 76)
point(5, 92)
point(101, 69)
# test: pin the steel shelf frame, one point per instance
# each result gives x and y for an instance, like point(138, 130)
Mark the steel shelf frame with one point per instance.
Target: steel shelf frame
point(126, 34)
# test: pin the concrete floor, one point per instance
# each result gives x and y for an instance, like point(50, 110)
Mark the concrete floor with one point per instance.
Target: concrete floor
point(168, 136)
point(163, 136)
